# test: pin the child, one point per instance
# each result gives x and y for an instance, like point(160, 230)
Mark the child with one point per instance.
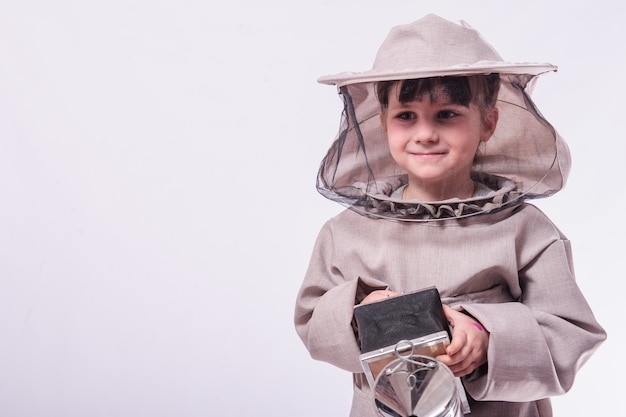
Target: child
point(439, 150)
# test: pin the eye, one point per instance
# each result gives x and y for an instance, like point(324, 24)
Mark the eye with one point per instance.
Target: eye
point(405, 115)
point(447, 114)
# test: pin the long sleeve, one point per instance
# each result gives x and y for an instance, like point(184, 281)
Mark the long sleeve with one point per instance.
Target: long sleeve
point(324, 307)
point(537, 345)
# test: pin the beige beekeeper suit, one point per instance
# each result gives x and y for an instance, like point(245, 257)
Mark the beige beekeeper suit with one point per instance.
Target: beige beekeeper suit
point(494, 255)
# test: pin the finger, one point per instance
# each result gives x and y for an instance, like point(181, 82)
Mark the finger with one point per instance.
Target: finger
point(459, 339)
point(378, 295)
point(453, 360)
point(449, 313)
point(462, 370)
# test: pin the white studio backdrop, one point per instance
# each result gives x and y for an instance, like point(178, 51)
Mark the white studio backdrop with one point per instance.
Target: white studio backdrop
point(158, 203)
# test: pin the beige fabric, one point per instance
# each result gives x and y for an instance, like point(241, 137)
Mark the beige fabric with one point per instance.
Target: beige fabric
point(512, 270)
point(435, 47)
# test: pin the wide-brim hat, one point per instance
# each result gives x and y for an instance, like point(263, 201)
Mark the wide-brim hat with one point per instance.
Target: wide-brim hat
point(415, 51)
point(524, 159)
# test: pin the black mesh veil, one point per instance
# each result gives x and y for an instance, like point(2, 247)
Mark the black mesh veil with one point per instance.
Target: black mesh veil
point(524, 159)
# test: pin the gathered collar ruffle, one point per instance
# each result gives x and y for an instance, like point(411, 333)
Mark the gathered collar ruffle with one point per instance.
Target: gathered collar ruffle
point(379, 202)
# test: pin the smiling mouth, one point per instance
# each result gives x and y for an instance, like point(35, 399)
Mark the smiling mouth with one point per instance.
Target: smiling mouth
point(427, 154)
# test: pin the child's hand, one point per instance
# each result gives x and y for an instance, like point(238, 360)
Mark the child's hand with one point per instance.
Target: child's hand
point(379, 295)
point(468, 349)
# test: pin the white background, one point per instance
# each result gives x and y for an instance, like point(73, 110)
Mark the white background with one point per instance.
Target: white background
point(158, 202)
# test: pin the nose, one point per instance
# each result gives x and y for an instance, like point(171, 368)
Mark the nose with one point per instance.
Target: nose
point(425, 132)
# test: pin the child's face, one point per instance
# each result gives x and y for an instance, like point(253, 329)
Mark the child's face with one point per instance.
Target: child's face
point(435, 143)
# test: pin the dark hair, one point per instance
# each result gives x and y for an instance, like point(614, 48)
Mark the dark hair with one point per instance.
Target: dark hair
point(479, 89)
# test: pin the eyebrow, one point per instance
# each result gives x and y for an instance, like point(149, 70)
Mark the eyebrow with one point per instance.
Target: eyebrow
point(447, 102)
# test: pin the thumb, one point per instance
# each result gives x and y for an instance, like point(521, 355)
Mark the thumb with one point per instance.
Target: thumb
point(449, 313)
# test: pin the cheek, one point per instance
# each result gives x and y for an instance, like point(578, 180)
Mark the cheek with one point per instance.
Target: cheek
point(395, 136)
point(396, 144)
point(471, 147)
point(396, 148)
